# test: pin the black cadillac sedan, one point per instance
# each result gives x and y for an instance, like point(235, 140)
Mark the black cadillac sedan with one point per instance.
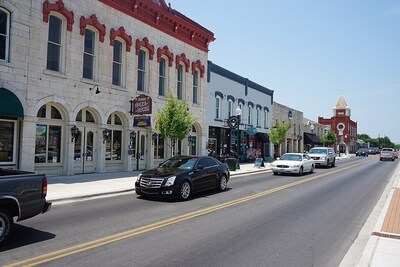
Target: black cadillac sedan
point(181, 176)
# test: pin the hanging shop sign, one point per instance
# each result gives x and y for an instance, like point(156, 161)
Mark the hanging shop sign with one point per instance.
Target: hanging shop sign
point(141, 121)
point(251, 131)
point(141, 105)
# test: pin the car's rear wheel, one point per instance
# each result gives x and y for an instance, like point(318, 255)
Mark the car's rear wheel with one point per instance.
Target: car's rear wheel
point(184, 191)
point(276, 173)
point(6, 225)
point(223, 182)
point(333, 163)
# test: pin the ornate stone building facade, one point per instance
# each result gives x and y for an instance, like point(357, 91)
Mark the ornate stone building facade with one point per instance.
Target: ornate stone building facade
point(70, 71)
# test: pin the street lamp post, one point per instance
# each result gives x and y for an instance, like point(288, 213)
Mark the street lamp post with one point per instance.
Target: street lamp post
point(238, 113)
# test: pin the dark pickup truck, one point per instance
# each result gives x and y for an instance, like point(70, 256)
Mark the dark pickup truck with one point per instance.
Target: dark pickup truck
point(22, 195)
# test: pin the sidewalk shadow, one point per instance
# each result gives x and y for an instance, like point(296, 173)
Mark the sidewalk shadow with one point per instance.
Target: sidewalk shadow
point(90, 177)
point(23, 236)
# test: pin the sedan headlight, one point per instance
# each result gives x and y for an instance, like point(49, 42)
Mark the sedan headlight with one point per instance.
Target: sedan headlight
point(323, 157)
point(170, 181)
point(296, 165)
point(138, 178)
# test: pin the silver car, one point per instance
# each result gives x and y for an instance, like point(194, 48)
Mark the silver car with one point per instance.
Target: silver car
point(323, 156)
point(387, 154)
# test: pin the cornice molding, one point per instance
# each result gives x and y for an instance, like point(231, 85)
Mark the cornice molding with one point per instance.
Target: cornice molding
point(59, 8)
point(93, 21)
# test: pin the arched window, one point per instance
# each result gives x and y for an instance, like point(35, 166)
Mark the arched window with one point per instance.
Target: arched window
point(142, 71)
point(217, 107)
point(48, 135)
point(196, 89)
point(179, 81)
point(162, 76)
point(117, 63)
point(114, 140)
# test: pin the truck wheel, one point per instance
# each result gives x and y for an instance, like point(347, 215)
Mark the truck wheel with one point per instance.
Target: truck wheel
point(6, 225)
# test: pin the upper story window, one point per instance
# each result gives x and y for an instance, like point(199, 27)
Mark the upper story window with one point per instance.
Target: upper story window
point(196, 87)
point(142, 71)
point(162, 76)
point(179, 82)
point(117, 64)
point(250, 115)
point(4, 34)
point(258, 119)
point(230, 108)
point(55, 44)
point(265, 119)
point(217, 107)
point(89, 54)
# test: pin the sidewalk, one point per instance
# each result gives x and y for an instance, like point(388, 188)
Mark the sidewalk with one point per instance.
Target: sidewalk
point(62, 189)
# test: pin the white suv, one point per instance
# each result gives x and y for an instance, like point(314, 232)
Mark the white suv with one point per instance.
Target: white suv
point(323, 156)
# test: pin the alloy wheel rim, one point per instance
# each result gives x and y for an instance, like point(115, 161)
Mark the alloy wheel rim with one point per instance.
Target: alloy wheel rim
point(185, 191)
point(223, 182)
point(2, 226)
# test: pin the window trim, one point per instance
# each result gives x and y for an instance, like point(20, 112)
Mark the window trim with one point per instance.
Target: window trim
point(217, 113)
point(163, 79)
point(94, 55)
point(180, 83)
point(121, 63)
point(7, 36)
point(144, 73)
point(196, 87)
point(62, 45)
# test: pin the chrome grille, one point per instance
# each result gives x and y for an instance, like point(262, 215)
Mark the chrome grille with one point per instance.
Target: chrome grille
point(148, 182)
point(282, 166)
point(315, 158)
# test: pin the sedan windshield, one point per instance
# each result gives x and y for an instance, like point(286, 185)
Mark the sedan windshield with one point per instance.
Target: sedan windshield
point(180, 163)
point(291, 157)
point(317, 151)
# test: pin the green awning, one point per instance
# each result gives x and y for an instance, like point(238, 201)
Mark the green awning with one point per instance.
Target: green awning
point(10, 106)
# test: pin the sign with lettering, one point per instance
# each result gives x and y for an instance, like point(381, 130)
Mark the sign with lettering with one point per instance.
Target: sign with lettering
point(141, 105)
point(141, 121)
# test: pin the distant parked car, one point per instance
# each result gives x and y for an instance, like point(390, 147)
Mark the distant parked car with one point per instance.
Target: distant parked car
point(387, 154)
point(181, 176)
point(295, 163)
point(323, 156)
point(362, 152)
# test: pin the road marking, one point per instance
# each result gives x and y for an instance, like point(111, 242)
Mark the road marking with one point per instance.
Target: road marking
point(62, 253)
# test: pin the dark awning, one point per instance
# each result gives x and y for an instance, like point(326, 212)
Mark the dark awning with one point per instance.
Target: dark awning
point(263, 136)
point(10, 106)
point(310, 138)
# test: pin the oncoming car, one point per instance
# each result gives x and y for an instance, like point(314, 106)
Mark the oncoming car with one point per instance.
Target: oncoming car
point(181, 176)
point(323, 156)
point(295, 163)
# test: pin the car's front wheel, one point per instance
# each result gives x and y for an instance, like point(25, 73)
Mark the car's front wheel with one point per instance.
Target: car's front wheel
point(184, 191)
point(300, 171)
point(223, 182)
point(312, 169)
point(6, 225)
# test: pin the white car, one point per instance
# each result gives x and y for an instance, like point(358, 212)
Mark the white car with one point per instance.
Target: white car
point(296, 163)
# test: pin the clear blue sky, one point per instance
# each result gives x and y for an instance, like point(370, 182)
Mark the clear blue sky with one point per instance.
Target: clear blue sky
point(312, 52)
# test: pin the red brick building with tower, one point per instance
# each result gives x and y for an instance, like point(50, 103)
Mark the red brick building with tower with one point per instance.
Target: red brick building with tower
point(344, 128)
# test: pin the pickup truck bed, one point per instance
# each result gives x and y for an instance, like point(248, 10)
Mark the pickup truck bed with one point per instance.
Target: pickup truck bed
point(22, 195)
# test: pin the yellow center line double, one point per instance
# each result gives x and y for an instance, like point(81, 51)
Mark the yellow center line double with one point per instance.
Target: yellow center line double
point(62, 253)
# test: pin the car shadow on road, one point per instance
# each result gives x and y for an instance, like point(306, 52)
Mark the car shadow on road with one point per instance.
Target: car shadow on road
point(23, 236)
point(171, 199)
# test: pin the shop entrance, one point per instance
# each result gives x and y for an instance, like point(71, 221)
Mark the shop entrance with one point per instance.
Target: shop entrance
point(85, 153)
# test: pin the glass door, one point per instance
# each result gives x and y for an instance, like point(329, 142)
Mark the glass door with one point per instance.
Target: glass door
point(85, 151)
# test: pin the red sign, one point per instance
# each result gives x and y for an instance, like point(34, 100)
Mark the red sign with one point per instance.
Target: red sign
point(141, 105)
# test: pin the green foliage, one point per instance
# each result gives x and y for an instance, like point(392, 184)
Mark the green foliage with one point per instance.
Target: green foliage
point(174, 120)
point(279, 131)
point(329, 139)
point(376, 142)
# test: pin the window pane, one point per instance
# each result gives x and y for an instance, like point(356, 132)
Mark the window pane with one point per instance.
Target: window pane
point(89, 41)
point(89, 117)
point(117, 51)
point(54, 148)
point(6, 141)
point(88, 66)
point(161, 86)
point(160, 147)
point(40, 143)
point(3, 44)
point(142, 60)
point(55, 30)
point(117, 139)
point(42, 112)
point(3, 22)
point(116, 74)
point(117, 120)
point(55, 114)
point(53, 57)
point(140, 84)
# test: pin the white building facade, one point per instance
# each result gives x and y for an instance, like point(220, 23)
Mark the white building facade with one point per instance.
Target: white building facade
point(227, 92)
point(70, 72)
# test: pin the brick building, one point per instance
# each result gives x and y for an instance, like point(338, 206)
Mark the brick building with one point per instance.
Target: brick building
point(344, 128)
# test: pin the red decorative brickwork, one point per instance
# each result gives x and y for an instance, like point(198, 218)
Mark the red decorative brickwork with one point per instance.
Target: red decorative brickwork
point(122, 34)
point(59, 8)
point(182, 59)
point(165, 51)
point(92, 21)
point(146, 44)
point(199, 66)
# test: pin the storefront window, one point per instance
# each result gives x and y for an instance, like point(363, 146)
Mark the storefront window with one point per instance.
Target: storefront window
point(48, 144)
point(159, 147)
point(114, 140)
point(7, 142)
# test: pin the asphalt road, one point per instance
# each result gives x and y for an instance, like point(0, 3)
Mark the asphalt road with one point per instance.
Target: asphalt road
point(262, 220)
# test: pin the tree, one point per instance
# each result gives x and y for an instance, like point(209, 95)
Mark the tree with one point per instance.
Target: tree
point(174, 121)
point(329, 139)
point(278, 133)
